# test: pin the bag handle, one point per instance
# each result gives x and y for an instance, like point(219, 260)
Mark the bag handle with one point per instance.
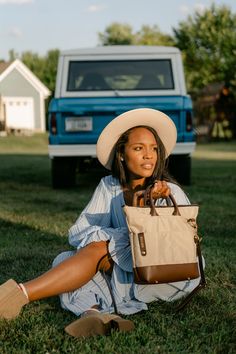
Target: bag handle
point(137, 196)
point(148, 195)
point(153, 211)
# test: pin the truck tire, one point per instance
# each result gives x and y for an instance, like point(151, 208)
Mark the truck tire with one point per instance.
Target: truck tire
point(63, 172)
point(180, 168)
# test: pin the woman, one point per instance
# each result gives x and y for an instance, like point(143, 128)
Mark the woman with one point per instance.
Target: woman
point(134, 146)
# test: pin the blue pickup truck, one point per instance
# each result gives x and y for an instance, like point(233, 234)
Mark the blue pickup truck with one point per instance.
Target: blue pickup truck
point(95, 85)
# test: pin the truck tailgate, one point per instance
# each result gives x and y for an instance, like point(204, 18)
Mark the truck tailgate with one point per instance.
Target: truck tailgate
point(81, 120)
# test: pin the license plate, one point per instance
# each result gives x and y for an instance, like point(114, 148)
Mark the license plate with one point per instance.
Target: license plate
point(79, 124)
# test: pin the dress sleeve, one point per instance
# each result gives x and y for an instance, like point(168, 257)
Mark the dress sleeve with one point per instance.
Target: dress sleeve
point(179, 195)
point(94, 223)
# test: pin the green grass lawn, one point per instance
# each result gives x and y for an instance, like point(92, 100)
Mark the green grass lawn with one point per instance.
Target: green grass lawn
point(34, 220)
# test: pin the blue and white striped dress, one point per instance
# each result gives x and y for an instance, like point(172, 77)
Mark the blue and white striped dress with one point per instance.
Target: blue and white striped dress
point(103, 219)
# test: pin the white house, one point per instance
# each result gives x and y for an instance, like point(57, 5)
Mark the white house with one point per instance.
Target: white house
point(22, 99)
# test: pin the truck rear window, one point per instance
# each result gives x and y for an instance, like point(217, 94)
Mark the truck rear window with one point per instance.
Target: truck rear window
point(120, 75)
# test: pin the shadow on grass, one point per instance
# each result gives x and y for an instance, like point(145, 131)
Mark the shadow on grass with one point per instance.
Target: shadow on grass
point(26, 169)
point(26, 251)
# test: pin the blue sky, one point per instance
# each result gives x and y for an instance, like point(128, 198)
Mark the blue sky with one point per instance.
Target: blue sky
point(41, 25)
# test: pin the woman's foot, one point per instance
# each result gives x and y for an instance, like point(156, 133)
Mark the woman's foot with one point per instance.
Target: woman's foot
point(12, 299)
point(94, 323)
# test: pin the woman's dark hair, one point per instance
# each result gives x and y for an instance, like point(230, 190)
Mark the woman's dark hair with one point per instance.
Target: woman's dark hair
point(119, 169)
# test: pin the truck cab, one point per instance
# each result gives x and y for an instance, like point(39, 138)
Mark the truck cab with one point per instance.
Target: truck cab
point(95, 85)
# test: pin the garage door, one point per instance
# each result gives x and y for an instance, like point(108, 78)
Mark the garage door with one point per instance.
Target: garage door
point(19, 112)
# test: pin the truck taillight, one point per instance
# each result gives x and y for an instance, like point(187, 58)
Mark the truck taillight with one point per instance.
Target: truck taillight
point(189, 121)
point(53, 124)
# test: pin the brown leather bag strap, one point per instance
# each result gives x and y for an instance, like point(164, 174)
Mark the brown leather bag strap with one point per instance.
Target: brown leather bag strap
point(153, 211)
point(111, 292)
point(202, 284)
point(136, 198)
point(199, 253)
point(105, 266)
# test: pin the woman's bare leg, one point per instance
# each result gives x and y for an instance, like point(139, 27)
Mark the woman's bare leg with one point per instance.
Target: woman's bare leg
point(69, 275)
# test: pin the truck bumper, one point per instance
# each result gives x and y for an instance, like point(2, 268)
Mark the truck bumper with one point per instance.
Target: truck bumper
point(72, 150)
point(184, 148)
point(90, 150)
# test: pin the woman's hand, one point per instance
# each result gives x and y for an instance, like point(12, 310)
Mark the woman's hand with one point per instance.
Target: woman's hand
point(160, 190)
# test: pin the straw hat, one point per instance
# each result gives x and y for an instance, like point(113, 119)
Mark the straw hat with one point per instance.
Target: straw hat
point(157, 120)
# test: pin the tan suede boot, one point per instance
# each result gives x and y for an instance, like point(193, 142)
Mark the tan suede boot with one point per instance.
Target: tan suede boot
point(94, 323)
point(12, 299)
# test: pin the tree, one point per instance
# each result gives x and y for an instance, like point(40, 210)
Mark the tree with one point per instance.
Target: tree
point(35, 63)
point(45, 68)
point(208, 43)
point(153, 36)
point(50, 69)
point(12, 55)
point(120, 34)
point(117, 34)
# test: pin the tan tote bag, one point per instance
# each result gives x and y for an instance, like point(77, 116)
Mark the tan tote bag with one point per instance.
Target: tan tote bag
point(164, 241)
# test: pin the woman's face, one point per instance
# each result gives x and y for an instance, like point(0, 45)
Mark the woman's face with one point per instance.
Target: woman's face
point(140, 154)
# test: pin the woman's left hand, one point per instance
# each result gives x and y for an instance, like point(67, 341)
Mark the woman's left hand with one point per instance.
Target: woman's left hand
point(160, 190)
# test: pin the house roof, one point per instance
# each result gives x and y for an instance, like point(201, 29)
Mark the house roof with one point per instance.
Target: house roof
point(3, 66)
point(7, 68)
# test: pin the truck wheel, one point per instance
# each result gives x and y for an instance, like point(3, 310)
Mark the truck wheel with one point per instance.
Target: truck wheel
point(180, 168)
point(63, 172)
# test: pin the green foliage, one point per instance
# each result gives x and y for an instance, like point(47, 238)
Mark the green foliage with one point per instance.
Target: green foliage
point(45, 68)
point(208, 43)
point(120, 34)
point(34, 220)
point(117, 34)
point(13, 55)
point(151, 35)
point(34, 62)
point(50, 71)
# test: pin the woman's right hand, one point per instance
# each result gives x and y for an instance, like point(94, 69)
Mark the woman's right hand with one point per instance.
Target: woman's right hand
point(160, 189)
